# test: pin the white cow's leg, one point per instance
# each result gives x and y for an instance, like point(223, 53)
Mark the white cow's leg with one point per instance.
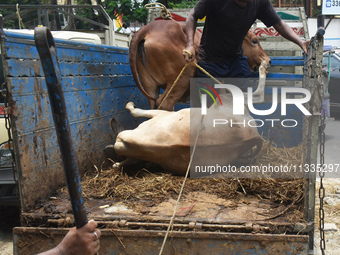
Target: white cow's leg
point(136, 112)
point(258, 95)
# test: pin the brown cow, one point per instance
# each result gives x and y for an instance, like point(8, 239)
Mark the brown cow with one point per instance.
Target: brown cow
point(156, 56)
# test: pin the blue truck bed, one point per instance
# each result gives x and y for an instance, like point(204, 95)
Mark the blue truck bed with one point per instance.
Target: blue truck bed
point(97, 83)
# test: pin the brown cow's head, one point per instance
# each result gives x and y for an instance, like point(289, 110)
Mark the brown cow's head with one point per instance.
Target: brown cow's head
point(252, 49)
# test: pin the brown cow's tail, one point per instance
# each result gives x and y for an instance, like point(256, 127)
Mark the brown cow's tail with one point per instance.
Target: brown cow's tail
point(133, 50)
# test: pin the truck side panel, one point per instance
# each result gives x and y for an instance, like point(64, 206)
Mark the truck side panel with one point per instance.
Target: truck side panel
point(115, 241)
point(97, 83)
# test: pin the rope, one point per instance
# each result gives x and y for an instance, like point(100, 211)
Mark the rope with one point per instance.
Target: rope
point(188, 52)
point(180, 74)
point(164, 12)
point(193, 151)
point(19, 17)
point(206, 72)
point(180, 192)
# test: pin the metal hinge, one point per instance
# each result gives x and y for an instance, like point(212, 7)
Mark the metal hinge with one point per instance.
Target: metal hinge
point(8, 111)
point(8, 124)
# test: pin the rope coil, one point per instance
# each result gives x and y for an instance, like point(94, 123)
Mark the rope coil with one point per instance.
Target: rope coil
point(21, 24)
point(164, 12)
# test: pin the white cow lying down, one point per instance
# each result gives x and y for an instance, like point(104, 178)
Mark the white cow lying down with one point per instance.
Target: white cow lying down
point(164, 139)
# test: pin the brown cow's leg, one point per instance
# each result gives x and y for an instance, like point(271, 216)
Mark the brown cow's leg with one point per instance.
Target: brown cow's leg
point(152, 104)
point(153, 90)
point(177, 91)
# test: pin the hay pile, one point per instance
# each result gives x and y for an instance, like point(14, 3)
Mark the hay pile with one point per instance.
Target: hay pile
point(155, 187)
point(279, 156)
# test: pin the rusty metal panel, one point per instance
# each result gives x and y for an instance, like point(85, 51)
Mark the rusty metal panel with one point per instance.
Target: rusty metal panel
point(29, 67)
point(73, 51)
point(113, 241)
point(276, 133)
point(97, 84)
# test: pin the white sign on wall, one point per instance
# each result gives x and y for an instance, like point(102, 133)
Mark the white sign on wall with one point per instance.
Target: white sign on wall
point(331, 7)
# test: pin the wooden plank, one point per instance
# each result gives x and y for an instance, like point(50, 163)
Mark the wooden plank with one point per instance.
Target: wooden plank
point(122, 40)
point(276, 62)
point(288, 58)
point(287, 76)
point(280, 46)
point(282, 69)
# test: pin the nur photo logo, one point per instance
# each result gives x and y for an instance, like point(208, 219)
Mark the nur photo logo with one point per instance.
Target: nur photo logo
point(204, 87)
point(287, 97)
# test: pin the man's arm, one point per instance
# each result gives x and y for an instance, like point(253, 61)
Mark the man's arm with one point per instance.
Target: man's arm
point(288, 33)
point(190, 31)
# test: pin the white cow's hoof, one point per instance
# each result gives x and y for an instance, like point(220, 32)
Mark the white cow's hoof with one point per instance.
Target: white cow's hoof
point(116, 165)
point(130, 106)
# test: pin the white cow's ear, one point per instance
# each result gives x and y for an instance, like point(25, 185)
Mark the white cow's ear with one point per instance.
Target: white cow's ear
point(116, 126)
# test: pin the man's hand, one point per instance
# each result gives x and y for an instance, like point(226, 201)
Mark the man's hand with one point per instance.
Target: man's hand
point(304, 46)
point(81, 241)
point(189, 54)
point(84, 241)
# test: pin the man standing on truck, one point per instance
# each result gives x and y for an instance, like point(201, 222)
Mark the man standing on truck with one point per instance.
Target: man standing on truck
point(227, 22)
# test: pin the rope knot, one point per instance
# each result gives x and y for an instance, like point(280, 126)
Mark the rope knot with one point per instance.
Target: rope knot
point(188, 52)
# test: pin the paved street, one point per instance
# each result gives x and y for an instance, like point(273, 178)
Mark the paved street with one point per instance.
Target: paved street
point(9, 218)
point(332, 155)
point(332, 199)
